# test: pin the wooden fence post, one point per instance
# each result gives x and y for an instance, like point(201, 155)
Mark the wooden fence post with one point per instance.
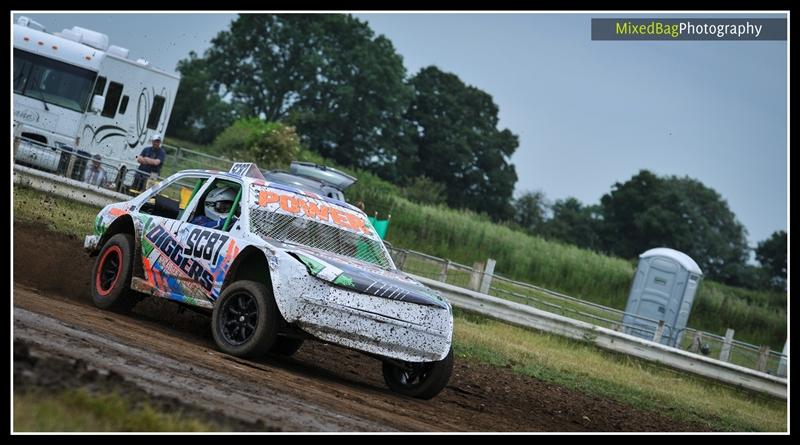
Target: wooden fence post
point(725, 352)
point(475, 276)
point(71, 165)
point(782, 362)
point(445, 269)
point(697, 342)
point(486, 277)
point(763, 356)
point(402, 259)
point(659, 331)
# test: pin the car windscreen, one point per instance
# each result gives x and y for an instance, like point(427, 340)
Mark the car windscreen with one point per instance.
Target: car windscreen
point(294, 218)
point(51, 81)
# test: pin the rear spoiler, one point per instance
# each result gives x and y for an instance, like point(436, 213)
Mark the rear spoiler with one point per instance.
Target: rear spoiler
point(326, 175)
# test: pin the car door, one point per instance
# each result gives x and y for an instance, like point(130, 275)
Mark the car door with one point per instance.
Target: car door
point(166, 267)
point(211, 250)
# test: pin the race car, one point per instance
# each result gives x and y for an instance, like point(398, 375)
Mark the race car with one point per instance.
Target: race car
point(273, 265)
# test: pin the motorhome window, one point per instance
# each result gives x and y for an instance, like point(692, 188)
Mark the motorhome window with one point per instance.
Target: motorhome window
point(51, 81)
point(155, 112)
point(99, 86)
point(112, 99)
point(123, 105)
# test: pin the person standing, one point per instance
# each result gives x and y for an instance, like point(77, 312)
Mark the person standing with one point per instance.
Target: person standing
point(95, 174)
point(150, 160)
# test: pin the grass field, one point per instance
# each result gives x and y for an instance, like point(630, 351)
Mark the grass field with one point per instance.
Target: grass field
point(78, 410)
point(586, 368)
point(550, 358)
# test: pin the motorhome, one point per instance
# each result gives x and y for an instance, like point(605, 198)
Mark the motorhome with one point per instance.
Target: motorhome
point(76, 93)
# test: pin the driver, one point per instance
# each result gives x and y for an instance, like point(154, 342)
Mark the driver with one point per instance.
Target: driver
point(218, 203)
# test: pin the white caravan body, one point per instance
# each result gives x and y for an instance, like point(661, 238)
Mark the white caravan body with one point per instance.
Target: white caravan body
point(74, 91)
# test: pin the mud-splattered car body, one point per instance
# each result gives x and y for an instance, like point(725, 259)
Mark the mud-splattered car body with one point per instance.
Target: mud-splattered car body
point(329, 272)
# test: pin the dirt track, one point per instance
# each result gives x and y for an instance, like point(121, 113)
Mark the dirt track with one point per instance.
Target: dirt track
point(321, 388)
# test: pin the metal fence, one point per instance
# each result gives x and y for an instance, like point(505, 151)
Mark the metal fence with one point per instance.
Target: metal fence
point(179, 158)
point(117, 175)
point(476, 277)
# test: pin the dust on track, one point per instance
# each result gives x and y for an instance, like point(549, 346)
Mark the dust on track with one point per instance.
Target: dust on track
point(322, 388)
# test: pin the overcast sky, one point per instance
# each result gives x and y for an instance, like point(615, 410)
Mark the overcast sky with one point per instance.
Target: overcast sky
point(588, 113)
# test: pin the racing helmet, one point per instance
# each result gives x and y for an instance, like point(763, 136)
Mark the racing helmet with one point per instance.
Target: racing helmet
point(219, 203)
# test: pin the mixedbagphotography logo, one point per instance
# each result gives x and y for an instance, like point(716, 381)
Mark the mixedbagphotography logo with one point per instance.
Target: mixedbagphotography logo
point(689, 29)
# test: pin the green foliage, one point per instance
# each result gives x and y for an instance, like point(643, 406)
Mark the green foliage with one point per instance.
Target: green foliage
point(530, 211)
point(425, 191)
point(650, 211)
point(199, 113)
point(772, 254)
point(457, 143)
point(326, 74)
point(269, 144)
point(573, 223)
point(757, 317)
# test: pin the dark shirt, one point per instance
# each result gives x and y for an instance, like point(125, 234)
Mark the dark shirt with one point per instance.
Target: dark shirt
point(202, 220)
point(154, 153)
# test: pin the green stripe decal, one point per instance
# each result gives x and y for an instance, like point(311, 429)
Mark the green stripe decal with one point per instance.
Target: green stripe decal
point(314, 267)
point(344, 280)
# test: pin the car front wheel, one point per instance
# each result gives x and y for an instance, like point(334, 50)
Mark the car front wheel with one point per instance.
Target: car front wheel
point(419, 380)
point(111, 275)
point(245, 319)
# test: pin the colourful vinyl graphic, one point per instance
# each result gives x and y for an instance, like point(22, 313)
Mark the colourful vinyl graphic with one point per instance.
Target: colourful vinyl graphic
point(189, 264)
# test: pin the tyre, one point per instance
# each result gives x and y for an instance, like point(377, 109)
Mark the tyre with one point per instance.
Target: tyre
point(419, 380)
point(286, 346)
point(245, 319)
point(111, 275)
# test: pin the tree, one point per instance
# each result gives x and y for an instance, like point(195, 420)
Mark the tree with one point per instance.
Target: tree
point(771, 254)
point(356, 114)
point(457, 143)
point(576, 224)
point(199, 113)
point(530, 210)
point(326, 74)
point(651, 211)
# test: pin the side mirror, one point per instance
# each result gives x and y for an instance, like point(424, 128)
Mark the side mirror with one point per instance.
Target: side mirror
point(97, 103)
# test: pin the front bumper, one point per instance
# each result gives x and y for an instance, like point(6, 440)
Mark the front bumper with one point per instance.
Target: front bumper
point(90, 243)
point(395, 329)
point(374, 333)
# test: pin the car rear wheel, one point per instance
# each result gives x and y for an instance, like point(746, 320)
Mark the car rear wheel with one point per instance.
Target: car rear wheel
point(111, 275)
point(419, 380)
point(245, 319)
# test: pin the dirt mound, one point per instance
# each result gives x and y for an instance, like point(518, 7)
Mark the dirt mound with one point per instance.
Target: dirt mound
point(52, 262)
point(479, 397)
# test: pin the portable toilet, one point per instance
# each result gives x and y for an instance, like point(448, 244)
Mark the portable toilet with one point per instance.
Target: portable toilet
point(663, 290)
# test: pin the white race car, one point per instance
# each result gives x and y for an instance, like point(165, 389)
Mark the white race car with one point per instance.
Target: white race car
point(274, 265)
